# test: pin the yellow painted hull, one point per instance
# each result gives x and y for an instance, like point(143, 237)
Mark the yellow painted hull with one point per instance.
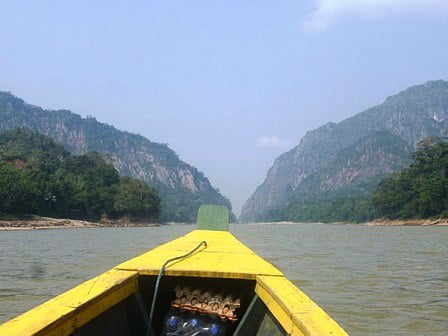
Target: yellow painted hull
point(224, 257)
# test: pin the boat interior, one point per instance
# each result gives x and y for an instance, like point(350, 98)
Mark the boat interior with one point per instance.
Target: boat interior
point(130, 316)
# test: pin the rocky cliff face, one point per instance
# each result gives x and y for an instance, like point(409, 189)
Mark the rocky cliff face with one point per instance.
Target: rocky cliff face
point(182, 187)
point(336, 155)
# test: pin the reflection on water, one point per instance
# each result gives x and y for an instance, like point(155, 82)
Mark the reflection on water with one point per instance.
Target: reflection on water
point(372, 280)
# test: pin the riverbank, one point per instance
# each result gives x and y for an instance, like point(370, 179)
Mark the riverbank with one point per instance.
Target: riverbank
point(409, 222)
point(43, 223)
point(376, 222)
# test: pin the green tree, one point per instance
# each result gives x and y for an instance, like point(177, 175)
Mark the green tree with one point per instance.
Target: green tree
point(419, 191)
point(17, 193)
point(39, 176)
point(136, 198)
point(89, 183)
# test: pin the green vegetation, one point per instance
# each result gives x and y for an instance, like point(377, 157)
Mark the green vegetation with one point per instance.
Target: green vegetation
point(329, 211)
point(181, 205)
point(181, 187)
point(39, 176)
point(136, 197)
point(419, 191)
point(348, 204)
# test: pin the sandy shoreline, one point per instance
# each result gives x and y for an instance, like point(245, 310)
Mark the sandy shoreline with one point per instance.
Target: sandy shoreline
point(409, 222)
point(378, 222)
point(44, 223)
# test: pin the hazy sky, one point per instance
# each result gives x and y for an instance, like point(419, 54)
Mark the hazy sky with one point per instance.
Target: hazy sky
point(229, 85)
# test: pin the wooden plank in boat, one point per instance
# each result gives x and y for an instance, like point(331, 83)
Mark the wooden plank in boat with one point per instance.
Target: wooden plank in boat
point(295, 311)
point(224, 257)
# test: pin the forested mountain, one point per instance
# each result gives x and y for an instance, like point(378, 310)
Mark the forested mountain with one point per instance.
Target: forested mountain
point(182, 188)
point(38, 176)
point(344, 161)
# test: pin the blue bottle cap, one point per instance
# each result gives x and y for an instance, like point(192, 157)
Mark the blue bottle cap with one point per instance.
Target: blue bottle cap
point(214, 329)
point(172, 321)
point(194, 322)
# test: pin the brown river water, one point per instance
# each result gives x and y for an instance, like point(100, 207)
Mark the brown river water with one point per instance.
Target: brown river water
point(373, 280)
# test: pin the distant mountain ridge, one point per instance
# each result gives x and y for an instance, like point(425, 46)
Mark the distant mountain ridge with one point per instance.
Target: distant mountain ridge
point(181, 186)
point(338, 155)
